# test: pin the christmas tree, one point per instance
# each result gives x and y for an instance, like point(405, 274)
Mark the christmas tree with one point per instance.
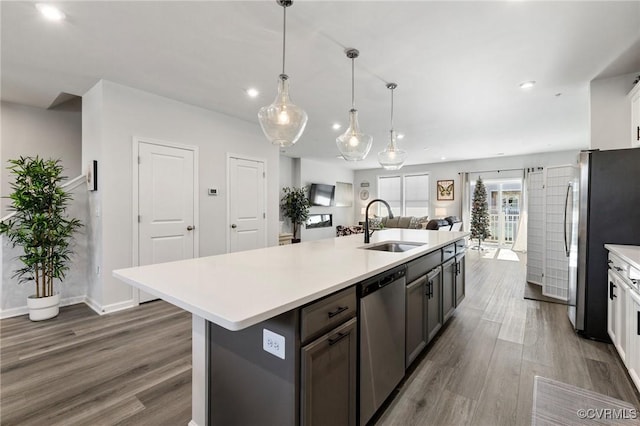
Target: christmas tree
point(480, 213)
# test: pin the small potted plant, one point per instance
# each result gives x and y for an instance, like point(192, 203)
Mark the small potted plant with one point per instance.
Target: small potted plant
point(295, 206)
point(40, 226)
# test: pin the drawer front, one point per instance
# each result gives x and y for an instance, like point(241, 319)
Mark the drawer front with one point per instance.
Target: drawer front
point(460, 246)
point(448, 252)
point(419, 267)
point(618, 266)
point(321, 316)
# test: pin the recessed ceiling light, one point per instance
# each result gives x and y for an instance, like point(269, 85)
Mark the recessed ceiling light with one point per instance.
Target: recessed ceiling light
point(527, 84)
point(50, 12)
point(253, 93)
point(336, 126)
point(500, 153)
point(400, 135)
point(443, 158)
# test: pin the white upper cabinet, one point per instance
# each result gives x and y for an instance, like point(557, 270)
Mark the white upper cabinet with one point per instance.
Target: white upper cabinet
point(634, 97)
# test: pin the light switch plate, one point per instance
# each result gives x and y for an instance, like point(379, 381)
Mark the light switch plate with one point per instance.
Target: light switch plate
point(273, 343)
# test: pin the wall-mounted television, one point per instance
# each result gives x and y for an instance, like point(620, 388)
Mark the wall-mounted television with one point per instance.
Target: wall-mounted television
point(321, 194)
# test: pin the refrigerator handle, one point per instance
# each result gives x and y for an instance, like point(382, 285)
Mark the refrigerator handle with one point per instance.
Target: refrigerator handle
point(566, 209)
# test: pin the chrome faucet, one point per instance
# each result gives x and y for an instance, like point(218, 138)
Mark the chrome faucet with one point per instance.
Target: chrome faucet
point(366, 218)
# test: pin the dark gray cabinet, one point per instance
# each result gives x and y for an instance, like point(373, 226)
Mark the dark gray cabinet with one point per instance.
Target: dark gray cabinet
point(434, 307)
point(328, 377)
point(460, 278)
point(448, 289)
point(416, 324)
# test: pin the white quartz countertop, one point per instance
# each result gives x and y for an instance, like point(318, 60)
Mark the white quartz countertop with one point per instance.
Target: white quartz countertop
point(238, 290)
point(630, 254)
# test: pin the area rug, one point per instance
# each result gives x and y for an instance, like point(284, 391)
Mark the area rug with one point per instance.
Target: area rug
point(534, 292)
point(506, 254)
point(557, 403)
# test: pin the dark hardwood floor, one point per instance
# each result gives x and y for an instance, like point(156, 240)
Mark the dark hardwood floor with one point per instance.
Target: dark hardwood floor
point(480, 369)
point(131, 367)
point(134, 367)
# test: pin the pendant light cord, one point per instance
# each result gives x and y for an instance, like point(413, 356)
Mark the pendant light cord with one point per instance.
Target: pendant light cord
point(284, 36)
point(392, 110)
point(353, 90)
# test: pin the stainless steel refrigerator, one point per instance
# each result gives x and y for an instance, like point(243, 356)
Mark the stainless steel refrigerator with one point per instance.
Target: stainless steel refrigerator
point(602, 207)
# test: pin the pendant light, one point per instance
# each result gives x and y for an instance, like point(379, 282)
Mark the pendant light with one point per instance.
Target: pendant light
point(392, 158)
point(283, 122)
point(353, 144)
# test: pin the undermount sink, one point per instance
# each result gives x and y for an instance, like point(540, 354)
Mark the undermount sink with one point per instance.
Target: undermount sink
point(393, 246)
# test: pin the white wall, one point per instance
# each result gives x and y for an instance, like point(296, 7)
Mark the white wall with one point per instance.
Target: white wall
point(31, 131)
point(611, 112)
point(451, 170)
point(125, 113)
point(317, 172)
point(92, 146)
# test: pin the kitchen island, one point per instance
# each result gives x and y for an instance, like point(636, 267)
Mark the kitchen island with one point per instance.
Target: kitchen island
point(237, 291)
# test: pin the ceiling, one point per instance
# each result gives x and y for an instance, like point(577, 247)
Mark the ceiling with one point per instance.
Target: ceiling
point(458, 65)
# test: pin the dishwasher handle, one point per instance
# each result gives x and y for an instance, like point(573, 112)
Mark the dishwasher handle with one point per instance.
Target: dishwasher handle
point(376, 283)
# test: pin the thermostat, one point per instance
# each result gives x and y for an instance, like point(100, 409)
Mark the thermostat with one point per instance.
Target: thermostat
point(212, 191)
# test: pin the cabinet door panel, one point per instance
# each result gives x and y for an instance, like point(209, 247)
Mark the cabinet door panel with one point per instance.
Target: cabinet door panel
point(448, 289)
point(328, 389)
point(621, 320)
point(633, 334)
point(434, 305)
point(460, 279)
point(611, 307)
point(416, 334)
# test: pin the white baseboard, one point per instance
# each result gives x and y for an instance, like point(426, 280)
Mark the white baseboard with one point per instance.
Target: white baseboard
point(192, 423)
point(95, 306)
point(100, 310)
point(106, 309)
point(23, 310)
point(114, 307)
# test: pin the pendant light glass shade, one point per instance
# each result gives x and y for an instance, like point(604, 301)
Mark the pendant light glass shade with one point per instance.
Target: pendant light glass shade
point(283, 122)
point(353, 144)
point(392, 158)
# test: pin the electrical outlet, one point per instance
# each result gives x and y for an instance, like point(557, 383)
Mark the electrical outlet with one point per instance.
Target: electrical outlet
point(273, 343)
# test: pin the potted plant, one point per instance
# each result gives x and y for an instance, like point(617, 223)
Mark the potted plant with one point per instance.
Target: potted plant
point(295, 206)
point(40, 226)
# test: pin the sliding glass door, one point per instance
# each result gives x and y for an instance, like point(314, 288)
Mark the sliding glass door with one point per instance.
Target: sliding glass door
point(504, 197)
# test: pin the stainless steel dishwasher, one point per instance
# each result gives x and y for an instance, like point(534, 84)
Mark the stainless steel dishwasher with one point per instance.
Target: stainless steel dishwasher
point(382, 334)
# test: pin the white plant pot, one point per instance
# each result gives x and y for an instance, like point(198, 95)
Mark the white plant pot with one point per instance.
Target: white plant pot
point(42, 308)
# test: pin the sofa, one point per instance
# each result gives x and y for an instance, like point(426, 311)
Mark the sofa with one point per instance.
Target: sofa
point(410, 222)
point(451, 223)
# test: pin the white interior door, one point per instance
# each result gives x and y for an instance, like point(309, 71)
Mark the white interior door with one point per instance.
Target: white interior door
point(247, 215)
point(166, 197)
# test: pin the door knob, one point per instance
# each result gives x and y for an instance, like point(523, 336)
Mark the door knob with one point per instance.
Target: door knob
point(190, 228)
point(234, 226)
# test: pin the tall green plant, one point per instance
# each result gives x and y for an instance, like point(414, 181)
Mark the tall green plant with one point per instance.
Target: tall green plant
point(480, 222)
point(295, 206)
point(40, 225)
